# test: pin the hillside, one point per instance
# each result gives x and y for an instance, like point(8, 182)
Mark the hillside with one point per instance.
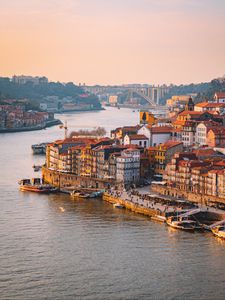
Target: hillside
point(39, 92)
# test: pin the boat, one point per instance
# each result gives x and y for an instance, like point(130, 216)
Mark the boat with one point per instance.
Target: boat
point(96, 194)
point(219, 231)
point(39, 148)
point(181, 223)
point(77, 194)
point(37, 168)
point(118, 205)
point(35, 185)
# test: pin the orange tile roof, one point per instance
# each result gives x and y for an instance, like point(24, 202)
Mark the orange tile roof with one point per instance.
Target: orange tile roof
point(204, 152)
point(161, 129)
point(138, 137)
point(220, 95)
point(201, 104)
point(170, 144)
point(189, 112)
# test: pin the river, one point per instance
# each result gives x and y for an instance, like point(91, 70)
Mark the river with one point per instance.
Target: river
point(52, 247)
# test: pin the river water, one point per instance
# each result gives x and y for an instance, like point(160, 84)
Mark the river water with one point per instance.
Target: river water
point(52, 247)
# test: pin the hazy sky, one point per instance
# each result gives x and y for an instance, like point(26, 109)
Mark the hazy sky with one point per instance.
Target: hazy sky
point(113, 41)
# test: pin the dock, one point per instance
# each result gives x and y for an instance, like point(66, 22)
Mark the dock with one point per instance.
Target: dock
point(159, 208)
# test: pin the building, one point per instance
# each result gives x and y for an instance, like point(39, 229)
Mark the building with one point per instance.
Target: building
point(148, 118)
point(136, 139)
point(160, 155)
point(22, 79)
point(210, 106)
point(188, 133)
point(219, 97)
point(120, 132)
point(202, 132)
point(188, 173)
point(216, 136)
point(113, 100)
point(128, 167)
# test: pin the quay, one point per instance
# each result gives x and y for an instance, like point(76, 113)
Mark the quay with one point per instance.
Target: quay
point(159, 208)
point(151, 203)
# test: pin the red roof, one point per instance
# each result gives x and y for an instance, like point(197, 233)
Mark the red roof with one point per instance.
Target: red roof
point(138, 137)
point(220, 95)
point(219, 130)
point(204, 152)
point(161, 129)
point(189, 112)
point(201, 104)
point(170, 144)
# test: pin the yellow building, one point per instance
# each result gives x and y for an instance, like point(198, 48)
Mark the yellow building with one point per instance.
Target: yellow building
point(182, 99)
point(113, 100)
point(147, 117)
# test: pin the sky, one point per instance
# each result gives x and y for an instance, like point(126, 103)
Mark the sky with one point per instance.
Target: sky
point(113, 41)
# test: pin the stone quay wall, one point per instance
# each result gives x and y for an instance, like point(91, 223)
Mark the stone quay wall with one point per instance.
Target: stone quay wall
point(132, 206)
point(197, 198)
point(63, 180)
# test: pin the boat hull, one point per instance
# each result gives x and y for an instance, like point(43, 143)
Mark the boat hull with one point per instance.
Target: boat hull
point(33, 189)
point(180, 227)
point(219, 233)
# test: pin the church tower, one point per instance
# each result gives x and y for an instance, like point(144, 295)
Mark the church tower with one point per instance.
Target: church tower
point(190, 106)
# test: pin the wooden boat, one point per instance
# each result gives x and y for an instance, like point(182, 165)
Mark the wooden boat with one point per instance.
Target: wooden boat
point(181, 223)
point(219, 231)
point(35, 185)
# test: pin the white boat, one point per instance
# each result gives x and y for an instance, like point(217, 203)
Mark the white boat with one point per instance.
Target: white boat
point(77, 194)
point(219, 231)
point(118, 205)
point(181, 223)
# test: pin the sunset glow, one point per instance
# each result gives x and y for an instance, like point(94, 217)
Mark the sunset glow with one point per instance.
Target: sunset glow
point(112, 41)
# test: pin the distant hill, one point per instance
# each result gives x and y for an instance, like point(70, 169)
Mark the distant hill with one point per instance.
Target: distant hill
point(36, 93)
point(204, 90)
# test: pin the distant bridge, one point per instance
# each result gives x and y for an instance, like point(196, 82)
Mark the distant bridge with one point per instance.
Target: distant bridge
point(151, 94)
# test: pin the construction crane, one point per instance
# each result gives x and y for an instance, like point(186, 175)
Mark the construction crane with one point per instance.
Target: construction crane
point(65, 127)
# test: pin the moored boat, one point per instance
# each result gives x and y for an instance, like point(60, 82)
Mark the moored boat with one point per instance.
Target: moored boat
point(35, 185)
point(77, 194)
point(37, 168)
point(181, 223)
point(219, 231)
point(118, 205)
point(39, 148)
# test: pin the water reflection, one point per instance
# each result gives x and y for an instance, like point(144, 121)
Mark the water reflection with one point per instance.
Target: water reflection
point(53, 247)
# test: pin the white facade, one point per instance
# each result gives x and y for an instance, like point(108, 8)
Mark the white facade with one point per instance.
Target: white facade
point(144, 130)
point(188, 135)
point(128, 167)
point(155, 138)
point(201, 134)
point(135, 140)
point(219, 97)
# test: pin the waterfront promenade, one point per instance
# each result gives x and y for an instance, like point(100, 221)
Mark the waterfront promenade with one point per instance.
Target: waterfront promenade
point(159, 207)
point(75, 247)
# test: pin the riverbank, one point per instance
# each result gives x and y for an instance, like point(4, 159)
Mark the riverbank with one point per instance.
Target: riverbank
point(159, 208)
point(80, 110)
point(32, 128)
